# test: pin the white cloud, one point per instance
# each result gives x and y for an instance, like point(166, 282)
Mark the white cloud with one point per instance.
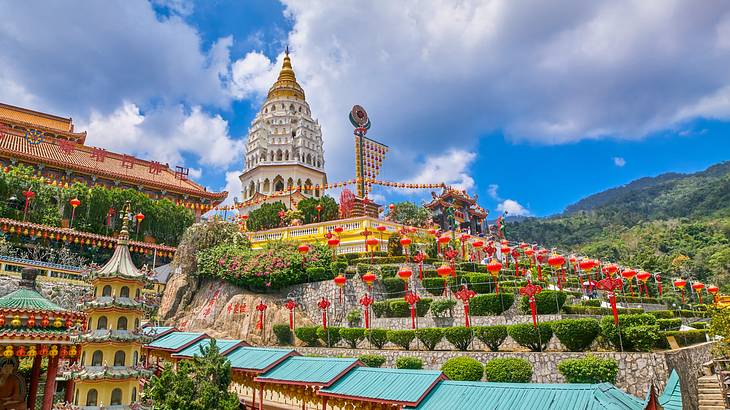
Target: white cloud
point(619, 161)
point(492, 191)
point(512, 208)
point(451, 168)
point(233, 187)
point(252, 76)
point(179, 7)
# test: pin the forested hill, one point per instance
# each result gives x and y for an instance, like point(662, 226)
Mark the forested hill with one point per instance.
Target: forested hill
point(677, 222)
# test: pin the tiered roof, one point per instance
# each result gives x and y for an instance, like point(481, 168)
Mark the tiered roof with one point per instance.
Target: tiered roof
point(457, 195)
point(120, 265)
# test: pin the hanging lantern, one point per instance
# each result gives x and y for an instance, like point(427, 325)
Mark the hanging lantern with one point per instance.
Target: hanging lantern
point(405, 243)
point(419, 258)
point(16, 321)
point(680, 283)
point(43, 351)
point(412, 299)
point(338, 229)
point(53, 352)
point(713, 290)
point(369, 278)
point(366, 301)
point(610, 284)
point(303, 250)
point(8, 352)
point(20, 352)
point(333, 243)
point(405, 273)
point(464, 238)
point(629, 274)
point(464, 294)
point(442, 241)
point(494, 267)
point(30, 323)
point(444, 271)
point(2, 320)
point(478, 244)
point(45, 321)
point(698, 286)
point(340, 281)
point(643, 277)
point(610, 269)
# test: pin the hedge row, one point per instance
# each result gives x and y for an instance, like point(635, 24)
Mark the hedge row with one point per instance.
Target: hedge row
point(598, 311)
point(400, 308)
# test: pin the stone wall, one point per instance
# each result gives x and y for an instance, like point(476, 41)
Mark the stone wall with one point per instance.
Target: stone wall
point(67, 295)
point(636, 370)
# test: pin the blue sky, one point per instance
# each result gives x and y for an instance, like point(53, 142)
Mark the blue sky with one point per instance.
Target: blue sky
point(531, 105)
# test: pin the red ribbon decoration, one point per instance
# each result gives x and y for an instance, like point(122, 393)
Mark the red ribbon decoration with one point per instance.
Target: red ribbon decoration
point(261, 307)
point(658, 279)
point(323, 304)
point(412, 298)
point(419, 258)
point(290, 305)
point(109, 215)
point(366, 301)
point(464, 294)
point(610, 284)
point(530, 290)
point(28, 196)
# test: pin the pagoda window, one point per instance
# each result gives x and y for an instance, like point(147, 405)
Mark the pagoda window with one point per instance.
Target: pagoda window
point(122, 323)
point(101, 323)
point(308, 186)
point(135, 359)
point(97, 359)
point(279, 155)
point(119, 358)
point(136, 294)
point(267, 185)
point(134, 394)
point(92, 397)
point(106, 291)
point(136, 323)
point(286, 155)
point(76, 398)
point(289, 183)
point(116, 399)
point(124, 292)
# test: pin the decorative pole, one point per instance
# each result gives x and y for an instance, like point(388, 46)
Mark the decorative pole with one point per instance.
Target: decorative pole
point(464, 294)
point(323, 304)
point(366, 301)
point(610, 284)
point(530, 290)
point(412, 298)
point(291, 305)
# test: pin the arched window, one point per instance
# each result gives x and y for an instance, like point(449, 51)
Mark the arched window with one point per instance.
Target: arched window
point(101, 323)
point(124, 292)
point(134, 394)
point(289, 183)
point(267, 185)
point(279, 155)
point(88, 326)
point(116, 399)
point(76, 398)
point(308, 186)
point(136, 323)
point(97, 359)
point(136, 294)
point(92, 397)
point(135, 358)
point(278, 184)
point(122, 323)
point(107, 291)
point(83, 356)
point(286, 155)
point(119, 358)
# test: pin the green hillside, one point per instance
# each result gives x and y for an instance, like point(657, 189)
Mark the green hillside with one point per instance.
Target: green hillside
point(672, 223)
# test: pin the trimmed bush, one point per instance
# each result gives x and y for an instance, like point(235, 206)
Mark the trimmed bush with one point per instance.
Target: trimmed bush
point(643, 337)
point(662, 314)
point(548, 302)
point(352, 335)
point(381, 308)
point(442, 307)
point(377, 337)
point(318, 274)
point(331, 337)
point(683, 337)
point(283, 333)
point(492, 336)
point(526, 335)
point(389, 271)
point(463, 369)
point(338, 267)
point(479, 282)
point(354, 318)
point(393, 287)
point(589, 369)
point(406, 362)
point(435, 286)
point(591, 302)
point(401, 338)
point(459, 336)
point(401, 308)
point(308, 335)
point(372, 360)
point(430, 337)
point(610, 333)
point(508, 370)
point(696, 325)
point(491, 304)
point(576, 334)
point(669, 324)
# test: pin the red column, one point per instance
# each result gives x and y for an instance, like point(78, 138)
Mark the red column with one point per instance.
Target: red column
point(261, 397)
point(35, 375)
point(69, 393)
point(50, 387)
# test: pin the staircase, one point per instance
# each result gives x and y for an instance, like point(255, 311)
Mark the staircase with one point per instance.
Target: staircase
point(710, 393)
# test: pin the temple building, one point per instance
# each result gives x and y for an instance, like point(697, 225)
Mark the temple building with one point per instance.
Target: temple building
point(284, 159)
point(110, 370)
point(455, 209)
point(50, 145)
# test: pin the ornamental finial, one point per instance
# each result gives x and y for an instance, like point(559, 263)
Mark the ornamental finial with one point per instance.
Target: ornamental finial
point(124, 233)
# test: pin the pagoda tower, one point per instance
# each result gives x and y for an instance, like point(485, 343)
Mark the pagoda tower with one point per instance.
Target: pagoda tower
point(110, 369)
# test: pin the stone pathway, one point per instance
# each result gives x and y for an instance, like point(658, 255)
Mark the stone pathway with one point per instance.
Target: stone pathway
point(710, 393)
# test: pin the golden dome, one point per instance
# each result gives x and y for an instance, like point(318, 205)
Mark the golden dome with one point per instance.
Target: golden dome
point(286, 85)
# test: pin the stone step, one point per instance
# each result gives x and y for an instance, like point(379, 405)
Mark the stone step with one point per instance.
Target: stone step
point(711, 403)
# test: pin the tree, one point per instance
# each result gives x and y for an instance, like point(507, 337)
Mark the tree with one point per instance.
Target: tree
point(408, 213)
point(198, 384)
point(266, 217)
point(308, 208)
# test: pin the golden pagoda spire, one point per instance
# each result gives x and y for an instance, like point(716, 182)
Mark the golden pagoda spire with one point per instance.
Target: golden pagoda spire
point(286, 85)
point(124, 233)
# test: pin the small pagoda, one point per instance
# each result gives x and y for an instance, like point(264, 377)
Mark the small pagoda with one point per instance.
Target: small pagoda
point(110, 370)
point(34, 328)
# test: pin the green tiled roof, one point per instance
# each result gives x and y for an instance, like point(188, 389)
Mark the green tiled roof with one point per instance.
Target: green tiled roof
point(104, 335)
point(175, 340)
point(671, 398)
point(102, 372)
point(308, 370)
point(393, 385)
point(527, 396)
point(194, 349)
point(257, 358)
point(155, 331)
point(27, 299)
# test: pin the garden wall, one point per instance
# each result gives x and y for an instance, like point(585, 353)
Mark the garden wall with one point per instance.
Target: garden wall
point(636, 370)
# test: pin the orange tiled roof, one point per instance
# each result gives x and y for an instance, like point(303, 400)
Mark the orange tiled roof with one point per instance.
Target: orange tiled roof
point(41, 121)
point(115, 166)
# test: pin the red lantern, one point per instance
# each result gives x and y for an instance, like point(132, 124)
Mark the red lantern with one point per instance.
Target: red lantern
point(303, 250)
point(369, 278)
point(478, 244)
point(28, 196)
point(333, 243)
point(698, 286)
point(610, 284)
point(464, 238)
point(2, 320)
point(442, 241)
point(340, 281)
point(412, 298)
point(366, 301)
point(338, 229)
point(444, 271)
point(611, 269)
point(493, 267)
point(629, 275)
point(419, 258)
point(713, 290)
point(464, 294)
point(291, 305)
point(405, 273)
point(74, 204)
point(45, 321)
point(680, 283)
point(405, 243)
point(556, 261)
point(643, 276)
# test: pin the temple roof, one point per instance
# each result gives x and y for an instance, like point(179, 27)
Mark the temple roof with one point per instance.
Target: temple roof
point(27, 299)
point(120, 265)
point(286, 85)
point(40, 120)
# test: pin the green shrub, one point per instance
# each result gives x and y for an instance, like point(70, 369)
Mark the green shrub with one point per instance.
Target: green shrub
point(352, 335)
point(430, 337)
point(589, 369)
point(308, 335)
point(442, 307)
point(696, 325)
point(547, 302)
point(377, 337)
point(354, 318)
point(468, 266)
point(381, 308)
point(283, 333)
point(372, 360)
point(643, 338)
point(683, 337)
point(435, 286)
point(479, 282)
point(526, 335)
point(459, 336)
point(338, 267)
point(331, 337)
point(401, 308)
point(491, 304)
point(610, 332)
point(669, 324)
point(389, 271)
point(508, 370)
point(662, 314)
point(591, 302)
point(463, 369)
point(492, 336)
point(394, 287)
point(576, 334)
point(401, 338)
point(318, 274)
point(406, 362)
